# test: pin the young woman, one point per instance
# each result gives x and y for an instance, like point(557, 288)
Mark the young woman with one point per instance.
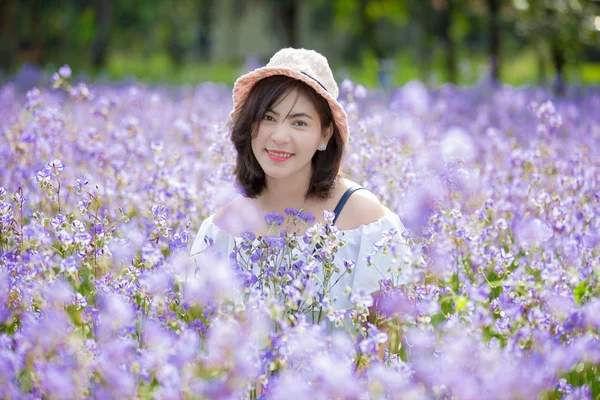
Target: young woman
point(290, 135)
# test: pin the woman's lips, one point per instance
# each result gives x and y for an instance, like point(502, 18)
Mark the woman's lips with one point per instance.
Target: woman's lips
point(277, 158)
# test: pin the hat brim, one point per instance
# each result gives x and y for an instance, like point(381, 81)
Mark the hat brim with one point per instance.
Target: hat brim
point(245, 83)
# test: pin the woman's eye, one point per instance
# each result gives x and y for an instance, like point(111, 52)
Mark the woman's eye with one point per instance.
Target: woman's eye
point(268, 118)
point(301, 123)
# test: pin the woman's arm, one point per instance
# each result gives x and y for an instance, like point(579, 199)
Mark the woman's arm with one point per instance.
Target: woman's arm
point(376, 319)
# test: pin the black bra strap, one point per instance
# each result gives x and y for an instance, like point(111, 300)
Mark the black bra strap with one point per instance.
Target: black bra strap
point(340, 205)
point(343, 200)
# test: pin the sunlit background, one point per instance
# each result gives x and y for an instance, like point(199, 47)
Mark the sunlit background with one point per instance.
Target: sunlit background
point(116, 150)
point(374, 42)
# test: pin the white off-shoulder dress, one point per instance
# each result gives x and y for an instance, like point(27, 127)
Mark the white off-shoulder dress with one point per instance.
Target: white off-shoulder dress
point(360, 245)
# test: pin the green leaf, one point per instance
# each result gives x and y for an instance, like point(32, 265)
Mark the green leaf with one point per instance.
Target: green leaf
point(437, 319)
point(461, 302)
point(580, 291)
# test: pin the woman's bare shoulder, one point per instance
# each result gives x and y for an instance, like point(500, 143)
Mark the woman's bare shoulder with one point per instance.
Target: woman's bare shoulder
point(362, 208)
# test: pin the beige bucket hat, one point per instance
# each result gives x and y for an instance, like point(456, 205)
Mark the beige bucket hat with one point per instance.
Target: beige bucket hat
point(304, 65)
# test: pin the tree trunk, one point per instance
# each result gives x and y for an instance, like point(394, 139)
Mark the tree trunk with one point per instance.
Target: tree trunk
point(102, 36)
point(559, 60)
point(205, 34)
point(447, 42)
point(368, 30)
point(8, 38)
point(175, 50)
point(288, 11)
point(542, 79)
point(494, 40)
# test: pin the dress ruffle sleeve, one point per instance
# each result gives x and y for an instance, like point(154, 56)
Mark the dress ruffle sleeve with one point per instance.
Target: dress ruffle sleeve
point(211, 238)
point(371, 264)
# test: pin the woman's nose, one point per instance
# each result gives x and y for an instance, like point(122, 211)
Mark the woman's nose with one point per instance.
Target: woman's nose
point(280, 133)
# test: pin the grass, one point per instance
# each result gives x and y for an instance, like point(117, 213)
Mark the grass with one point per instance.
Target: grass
point(158, 68)
point(520, 69)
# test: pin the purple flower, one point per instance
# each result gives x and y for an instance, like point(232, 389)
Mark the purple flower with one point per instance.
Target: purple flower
point(65, 71)
point(119, 383)
point(179, 240)
point(374, 337)
point(274, 218)
point(78, 226)
point(4, 292)
point(56, 167)
point(274, 242)
point(360, 91)
point(79, 185)
point(98, 230)
point(59, 293)
point(57, 381)
point(83, 205)
point(361, 299)
point(58, 222)
point(531, 232)
point(563, 386)
point(211, 279)
point(386, 285)
point(582, 392)
point(328, 216)
point(457, 145)
point(309, 268)
point(19, 198)
point(80, 301)
point(198, 326)
point(158, 339)
point(82, 237)
point(347, 86)
point(115, 313)
point(68, 265)
point(349, 265)
point(307, 217)
point(292, 212)
point(248, 236)
point(43, 177)
point(256, 255)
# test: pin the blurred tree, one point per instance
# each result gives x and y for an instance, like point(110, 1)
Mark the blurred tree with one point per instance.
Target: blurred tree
point(368, 18)
point(562, 26)
point(237, 10)
point(103, 9)
point(373, 27)
point(205, 17)
point(8, 36)
point(421, 35)
point(445, 9)
point(372, 32)
point(173, 25)
point(173, 44)
point(494, 39)
point(35, 32)
point(285, 13)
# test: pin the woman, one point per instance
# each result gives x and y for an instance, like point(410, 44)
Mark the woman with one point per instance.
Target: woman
point(290, 135)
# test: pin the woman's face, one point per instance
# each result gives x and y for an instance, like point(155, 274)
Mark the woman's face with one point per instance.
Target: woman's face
point(288, 136)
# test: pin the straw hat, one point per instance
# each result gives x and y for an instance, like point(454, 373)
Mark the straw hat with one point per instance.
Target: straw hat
point(304, 65)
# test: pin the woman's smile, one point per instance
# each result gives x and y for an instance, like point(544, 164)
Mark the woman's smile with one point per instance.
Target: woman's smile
point(279, 156)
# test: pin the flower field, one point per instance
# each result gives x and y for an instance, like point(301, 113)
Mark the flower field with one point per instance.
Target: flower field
point(495, 293)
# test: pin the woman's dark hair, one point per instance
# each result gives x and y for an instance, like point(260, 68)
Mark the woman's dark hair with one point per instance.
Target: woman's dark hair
point(249, 174)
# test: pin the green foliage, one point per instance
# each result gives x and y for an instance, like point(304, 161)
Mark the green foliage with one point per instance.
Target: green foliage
point(159, 42)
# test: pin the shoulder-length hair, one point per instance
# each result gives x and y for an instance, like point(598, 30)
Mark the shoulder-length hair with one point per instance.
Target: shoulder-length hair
point(263, 96)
